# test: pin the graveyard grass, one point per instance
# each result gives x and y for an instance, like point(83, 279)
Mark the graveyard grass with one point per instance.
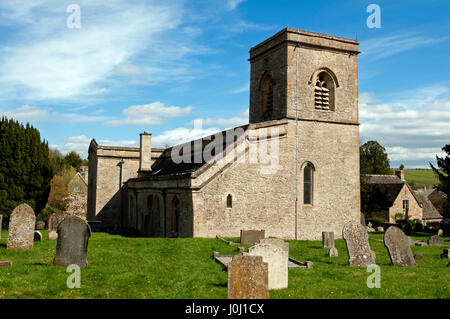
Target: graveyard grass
point(121, 267)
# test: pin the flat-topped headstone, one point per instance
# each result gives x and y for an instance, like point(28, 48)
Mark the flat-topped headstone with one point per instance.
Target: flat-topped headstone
point(398, 245)
point(37, 235)
point(275, 252)
point(328, 239)
point(357, 240)
point(6, 263)
point(250, 237)
point(72, 245)
point(53, 222)
point(248, 278)
point(435, 241)
point(21, 228)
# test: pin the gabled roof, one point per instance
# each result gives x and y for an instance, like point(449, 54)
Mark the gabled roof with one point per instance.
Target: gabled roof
point(429, 211)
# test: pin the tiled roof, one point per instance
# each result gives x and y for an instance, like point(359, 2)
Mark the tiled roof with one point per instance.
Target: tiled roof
point(429, 211)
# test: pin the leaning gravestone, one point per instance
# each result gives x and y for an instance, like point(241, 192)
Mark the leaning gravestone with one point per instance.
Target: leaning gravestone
point(250, 237)
point(53, 222)
point(435, 241)
point(72, 245)
point(275, 252)
point(248, 278)
point(327, 239)
point(358, 247)
point(21, 228)
point(399, 248)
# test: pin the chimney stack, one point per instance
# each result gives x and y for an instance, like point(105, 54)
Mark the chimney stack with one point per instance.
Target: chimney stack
point(145, 152)
point(400, 174)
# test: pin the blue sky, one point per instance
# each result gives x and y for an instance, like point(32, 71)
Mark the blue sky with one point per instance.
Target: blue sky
point(159, 65)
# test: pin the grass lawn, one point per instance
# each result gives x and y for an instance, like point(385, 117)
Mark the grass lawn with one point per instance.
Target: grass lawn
point(419, 178)
point(122, 267)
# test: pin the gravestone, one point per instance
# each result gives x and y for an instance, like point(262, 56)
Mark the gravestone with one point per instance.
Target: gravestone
point(418, 256)
point(446, 253)
point(357, 240)
point(72, 245)
point(6, 263)
point(327, 239)
point(21, 228)
point(399, 248)
point(379, 228)
point(248, 278)
point(435, 241)
point(37, 235)
point(440, 232)
point(53, 222)
point(333, 252)
point(275, 252)
point(250, 237)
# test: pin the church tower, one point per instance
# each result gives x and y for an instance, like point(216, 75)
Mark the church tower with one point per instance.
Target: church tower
point(304, 75)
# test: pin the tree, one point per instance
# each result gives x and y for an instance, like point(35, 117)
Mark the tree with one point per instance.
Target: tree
point(443, 174)
point(25, 168)
point(402, 167)
point(74, 160)
point(373, 159)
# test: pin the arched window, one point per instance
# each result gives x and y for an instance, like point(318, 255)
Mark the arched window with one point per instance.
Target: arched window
point(308, 179)
point(267, 96)
point(229, 201)
point(324, 91)
point(175, 218)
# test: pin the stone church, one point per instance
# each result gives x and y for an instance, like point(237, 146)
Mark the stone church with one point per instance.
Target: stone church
point(304, 100)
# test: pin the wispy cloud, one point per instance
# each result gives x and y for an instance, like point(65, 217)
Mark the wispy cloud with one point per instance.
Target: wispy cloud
point(378, 48)
point(34, 114)
point(233, 4)
point(149, 114)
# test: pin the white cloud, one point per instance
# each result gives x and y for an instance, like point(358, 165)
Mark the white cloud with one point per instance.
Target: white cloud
point(47, 60)
point(181, 135)
point(414, 129)
point(228, 122)
point(149, 114)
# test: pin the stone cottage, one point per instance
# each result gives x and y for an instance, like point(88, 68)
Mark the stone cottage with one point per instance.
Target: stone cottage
point(391, 195)
point(303, 112)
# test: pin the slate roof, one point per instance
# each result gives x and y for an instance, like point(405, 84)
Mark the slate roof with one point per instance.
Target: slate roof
point(429, 211)
point(164, 167)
